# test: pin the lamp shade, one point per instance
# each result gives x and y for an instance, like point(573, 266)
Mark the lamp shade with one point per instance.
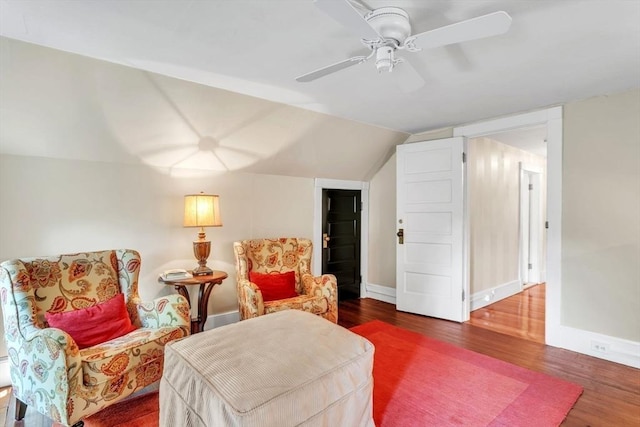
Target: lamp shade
point(202, 210)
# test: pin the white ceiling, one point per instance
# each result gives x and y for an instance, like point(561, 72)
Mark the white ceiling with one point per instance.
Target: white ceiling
point(555, 51)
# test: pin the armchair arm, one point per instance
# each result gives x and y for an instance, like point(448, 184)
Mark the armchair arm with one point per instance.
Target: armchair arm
point(325, 286)
point(250, 300)
point(170, 310)
point(46, 369)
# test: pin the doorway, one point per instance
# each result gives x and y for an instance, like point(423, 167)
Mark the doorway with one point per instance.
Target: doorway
point(359, 246)
point(551, 119)
point(507, 209)
point(532, 216)
point(341, 234)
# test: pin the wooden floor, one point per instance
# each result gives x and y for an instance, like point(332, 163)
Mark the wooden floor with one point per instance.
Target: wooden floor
point(521, 315)
point(611, 391)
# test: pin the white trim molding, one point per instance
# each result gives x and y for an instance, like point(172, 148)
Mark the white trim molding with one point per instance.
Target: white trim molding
point(381, 293)
point(336, 184)
point(601, 346)
point(495, 294)
point(221, 319)
point(533, 118)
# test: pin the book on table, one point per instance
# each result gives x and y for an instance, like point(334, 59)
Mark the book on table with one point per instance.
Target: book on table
point(176, 274)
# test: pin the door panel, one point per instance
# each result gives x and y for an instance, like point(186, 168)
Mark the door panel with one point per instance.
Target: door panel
point(341, 230)
point(430, 211)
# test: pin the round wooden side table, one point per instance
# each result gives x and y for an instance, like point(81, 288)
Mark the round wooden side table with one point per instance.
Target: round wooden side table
point(206, 285)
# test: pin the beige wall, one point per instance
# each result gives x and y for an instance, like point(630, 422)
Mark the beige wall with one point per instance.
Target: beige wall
point(494, 211)
point(382, 226)
point(53, 206)
point(430, 135)
point(601, 215)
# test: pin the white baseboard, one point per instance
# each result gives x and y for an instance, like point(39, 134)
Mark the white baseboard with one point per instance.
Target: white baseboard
point(5, 376)
point(597, 345)
point(381, 293)
point(221, 319)
point(489, 296)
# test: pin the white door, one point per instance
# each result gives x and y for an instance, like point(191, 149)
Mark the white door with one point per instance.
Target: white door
point(430, 276)
point(530, 225)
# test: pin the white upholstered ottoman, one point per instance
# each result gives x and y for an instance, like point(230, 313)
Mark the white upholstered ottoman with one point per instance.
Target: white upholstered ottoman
point(283, 369)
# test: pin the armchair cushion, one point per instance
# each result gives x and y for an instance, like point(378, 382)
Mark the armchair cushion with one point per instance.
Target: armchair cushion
point(88, 327)
point(113, 359)
point(275, 286)
point(309, 303)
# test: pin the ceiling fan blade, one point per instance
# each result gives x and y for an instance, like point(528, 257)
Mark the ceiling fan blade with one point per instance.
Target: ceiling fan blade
point(331, 69)
point(407, 78)
point(492, 24)
point(346, 14)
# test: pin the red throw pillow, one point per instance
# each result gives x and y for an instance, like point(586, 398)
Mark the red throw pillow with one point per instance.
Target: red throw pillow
point(275, 286)
point(94, 325)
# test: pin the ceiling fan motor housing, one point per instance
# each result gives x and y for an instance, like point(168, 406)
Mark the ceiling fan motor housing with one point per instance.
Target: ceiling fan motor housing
point(391, 23)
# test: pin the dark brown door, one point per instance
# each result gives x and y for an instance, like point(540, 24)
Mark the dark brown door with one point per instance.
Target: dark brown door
point(341, 239)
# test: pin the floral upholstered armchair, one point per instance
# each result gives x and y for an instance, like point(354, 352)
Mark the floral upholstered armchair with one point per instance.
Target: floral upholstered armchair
point(273, 258)
point(49, 370)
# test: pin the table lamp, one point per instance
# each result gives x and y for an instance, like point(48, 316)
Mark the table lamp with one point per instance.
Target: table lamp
point(202, 210)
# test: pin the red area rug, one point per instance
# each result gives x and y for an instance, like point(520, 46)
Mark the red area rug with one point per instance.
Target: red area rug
point(139, 411)
point(419, 381)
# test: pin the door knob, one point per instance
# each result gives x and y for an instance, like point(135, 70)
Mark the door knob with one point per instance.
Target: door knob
point(325, 240)
point(400, 235)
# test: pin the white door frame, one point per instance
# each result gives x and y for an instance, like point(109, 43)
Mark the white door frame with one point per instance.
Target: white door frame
point(337, 184)
point(552, 119)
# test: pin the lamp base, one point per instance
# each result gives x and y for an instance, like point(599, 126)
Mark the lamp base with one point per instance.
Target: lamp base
point(202, 271)
point(201, 249)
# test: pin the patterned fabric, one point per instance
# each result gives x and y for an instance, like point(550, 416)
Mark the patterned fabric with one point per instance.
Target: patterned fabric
point(317, 295)
point(48, 371)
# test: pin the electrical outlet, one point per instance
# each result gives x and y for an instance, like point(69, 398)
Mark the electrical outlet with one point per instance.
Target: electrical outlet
point(599, 346)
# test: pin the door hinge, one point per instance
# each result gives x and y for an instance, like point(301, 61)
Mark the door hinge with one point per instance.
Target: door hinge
point(359, 279)
point(530, 187)
point(546, 224)
point(530, 266)
point(463, 295)
point(464, 157)
point(361, 206)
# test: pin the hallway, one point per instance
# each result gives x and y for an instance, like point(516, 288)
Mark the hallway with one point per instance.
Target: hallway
point(521, 315)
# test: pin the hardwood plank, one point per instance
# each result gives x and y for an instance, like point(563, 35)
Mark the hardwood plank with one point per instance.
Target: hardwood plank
point(521, 315)
point(611, 394)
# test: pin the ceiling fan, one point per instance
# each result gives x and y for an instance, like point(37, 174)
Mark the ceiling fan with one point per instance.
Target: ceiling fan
point(387, 30)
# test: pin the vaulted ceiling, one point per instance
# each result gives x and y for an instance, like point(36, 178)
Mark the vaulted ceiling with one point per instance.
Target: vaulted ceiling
point(554, 51)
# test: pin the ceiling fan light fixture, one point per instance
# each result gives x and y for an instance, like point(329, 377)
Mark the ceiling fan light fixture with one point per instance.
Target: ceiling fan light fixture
point(384, 59)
